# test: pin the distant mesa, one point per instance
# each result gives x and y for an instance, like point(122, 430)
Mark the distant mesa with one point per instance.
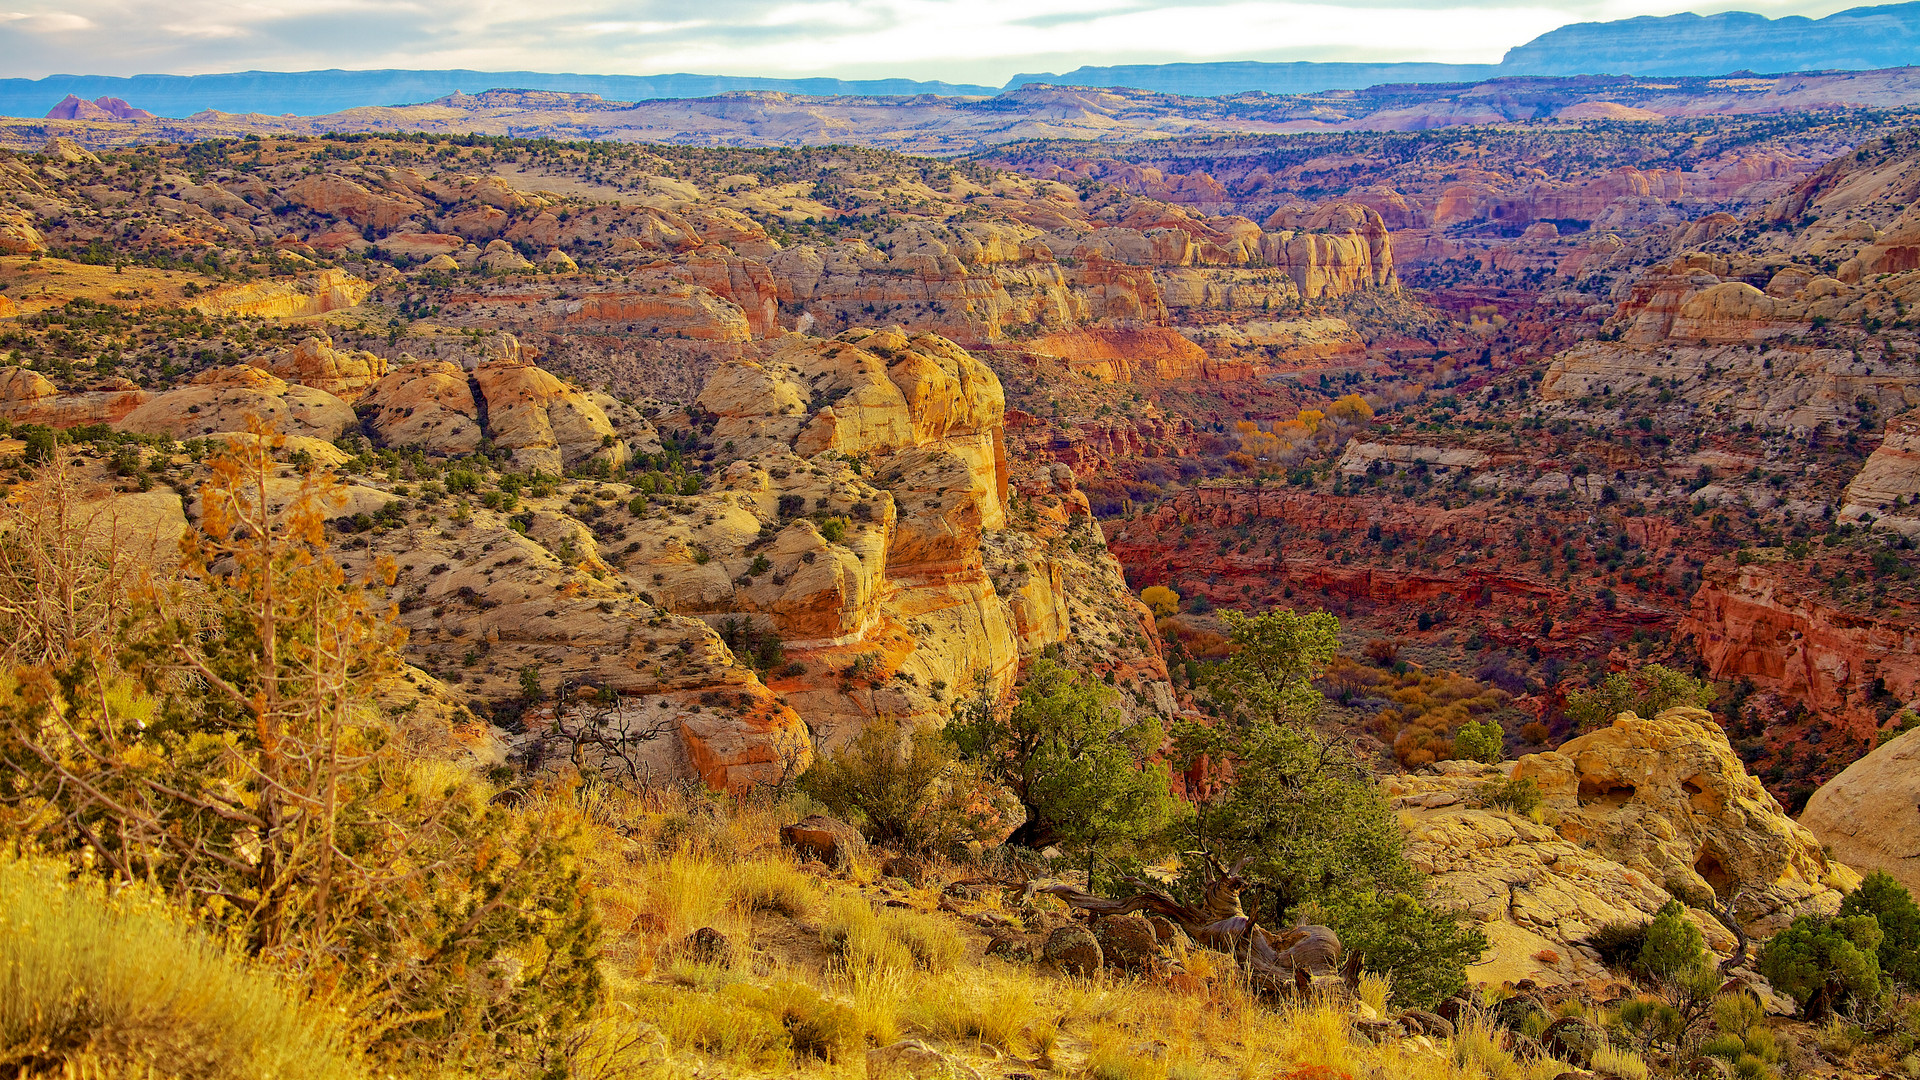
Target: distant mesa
point(72, 107)
point(1741, 46)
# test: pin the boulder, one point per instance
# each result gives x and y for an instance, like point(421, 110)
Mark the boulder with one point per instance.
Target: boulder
point(1129, 943)
point(1074, 950)
point(1011, 945)
point(1422, 1022)
point(709, 946)
point(1573, 1039)
point(18, 236)
point(1641, 809)
point(829, 840)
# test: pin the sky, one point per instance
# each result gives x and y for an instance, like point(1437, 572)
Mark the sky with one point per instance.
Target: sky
point(980, 41)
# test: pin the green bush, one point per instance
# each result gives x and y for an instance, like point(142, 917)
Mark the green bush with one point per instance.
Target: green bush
point(1084, 770)
point(123, 981)
point(1645, 692)
point(1892, 906)
point(1520, 796)
point(1483, 741)
point(1673, 946)
point(1825, 964)
point(901, 785)
point(1422, 948)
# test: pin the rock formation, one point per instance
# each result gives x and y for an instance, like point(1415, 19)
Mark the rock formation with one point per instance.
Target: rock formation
point(225, 399)
point(345, 373)
point(1869, 815)
point(1642, 811)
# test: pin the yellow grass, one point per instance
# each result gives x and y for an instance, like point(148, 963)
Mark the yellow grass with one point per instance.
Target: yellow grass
point(821, 972)
point(123, 986)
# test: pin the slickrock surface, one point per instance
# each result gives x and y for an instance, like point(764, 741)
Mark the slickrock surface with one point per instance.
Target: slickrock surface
point(1870, 814)
point(1631, 815)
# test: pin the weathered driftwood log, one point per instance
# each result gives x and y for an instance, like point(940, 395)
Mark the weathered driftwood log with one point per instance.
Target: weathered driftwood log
point(1279, 962)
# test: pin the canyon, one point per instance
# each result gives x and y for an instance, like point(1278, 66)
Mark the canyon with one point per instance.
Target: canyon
point(695, 461)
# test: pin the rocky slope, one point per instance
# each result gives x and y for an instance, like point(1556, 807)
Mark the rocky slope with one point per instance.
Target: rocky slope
point(857, 531)
point(1630, 816)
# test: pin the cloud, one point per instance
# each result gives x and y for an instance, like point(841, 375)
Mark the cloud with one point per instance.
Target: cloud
point(960, 40)
point(45, 22)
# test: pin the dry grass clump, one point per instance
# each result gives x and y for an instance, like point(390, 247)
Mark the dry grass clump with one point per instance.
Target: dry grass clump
point(1625, 1064)
point(774, 886)
point(892, 939)
point(996, 1009)
point(92, 984)
point(728, 1031)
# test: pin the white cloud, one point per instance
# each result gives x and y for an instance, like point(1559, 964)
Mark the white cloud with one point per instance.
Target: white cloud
point(46, 22)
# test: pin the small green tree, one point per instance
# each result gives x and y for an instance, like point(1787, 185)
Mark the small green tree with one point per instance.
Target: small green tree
point(1080, 767)
point(1644, 692)
point(1673, 944)
point(1307, 815)
point(1276, 656)
point(1892, 906)
point(1826, 965)
point(530, 687)
point(1483, 741)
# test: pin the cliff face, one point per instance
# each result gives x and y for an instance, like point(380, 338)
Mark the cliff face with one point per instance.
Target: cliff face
point(1769, 625)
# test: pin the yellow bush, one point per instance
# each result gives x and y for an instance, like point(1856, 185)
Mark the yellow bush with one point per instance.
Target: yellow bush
point(1161, 600)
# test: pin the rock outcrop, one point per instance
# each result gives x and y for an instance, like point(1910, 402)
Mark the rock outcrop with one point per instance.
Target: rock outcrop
point(316, 294)
point(548, 424)
point(1667, 796)
point(1640, 812)
point(224, 399)
point(1869, 815)
point(344, 373)
point(1887, 487)
point(428, 404)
